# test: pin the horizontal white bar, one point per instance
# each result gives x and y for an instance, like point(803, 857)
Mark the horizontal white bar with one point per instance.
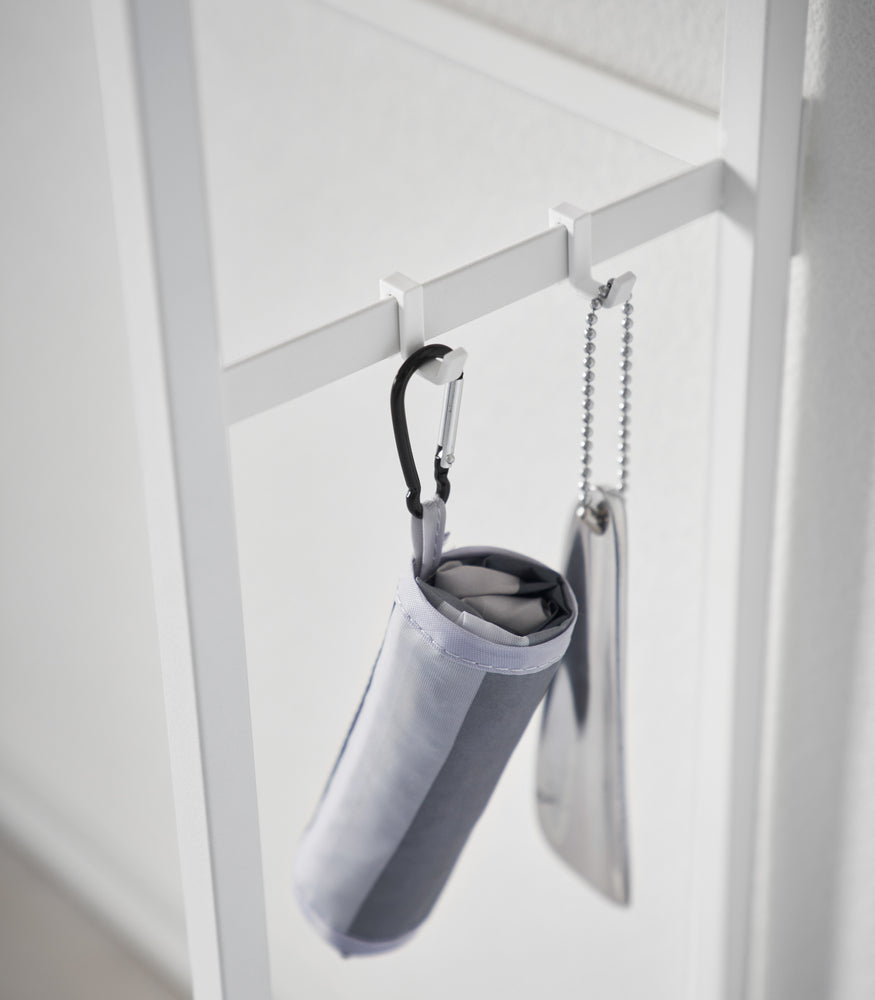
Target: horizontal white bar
point(324, 355)
point(311, 360)
point(688, 133)
point(495, 281)
point(657, 210)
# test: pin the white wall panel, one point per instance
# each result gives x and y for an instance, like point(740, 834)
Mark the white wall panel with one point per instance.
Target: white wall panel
point(84, 774)
point(675, 46)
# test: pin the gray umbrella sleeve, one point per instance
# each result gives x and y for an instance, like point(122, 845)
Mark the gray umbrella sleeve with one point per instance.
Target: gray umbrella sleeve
point(472, 643)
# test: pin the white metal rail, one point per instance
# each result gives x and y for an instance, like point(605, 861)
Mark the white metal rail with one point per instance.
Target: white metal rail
point(185, 400)
point(314, 359)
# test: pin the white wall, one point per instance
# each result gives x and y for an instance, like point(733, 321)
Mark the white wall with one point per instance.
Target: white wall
point(334, 157)
point(83, 759)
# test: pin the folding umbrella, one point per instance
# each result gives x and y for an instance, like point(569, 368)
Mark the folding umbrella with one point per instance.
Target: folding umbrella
point(473, 641)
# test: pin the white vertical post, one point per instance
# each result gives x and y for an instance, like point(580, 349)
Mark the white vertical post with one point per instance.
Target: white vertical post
point(761, 115)
point(153, 140)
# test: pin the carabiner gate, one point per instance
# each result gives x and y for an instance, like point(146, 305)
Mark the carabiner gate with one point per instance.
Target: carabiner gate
point(444, 456)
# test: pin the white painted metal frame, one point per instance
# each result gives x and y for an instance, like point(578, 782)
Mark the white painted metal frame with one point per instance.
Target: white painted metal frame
point(185, 400)
point(761, 121)
point(150, 109)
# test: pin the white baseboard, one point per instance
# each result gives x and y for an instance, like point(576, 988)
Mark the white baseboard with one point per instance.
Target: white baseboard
point(144, 923)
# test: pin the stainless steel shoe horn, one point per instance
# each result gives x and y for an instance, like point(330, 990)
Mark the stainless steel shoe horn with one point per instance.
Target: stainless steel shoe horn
point(581, 786)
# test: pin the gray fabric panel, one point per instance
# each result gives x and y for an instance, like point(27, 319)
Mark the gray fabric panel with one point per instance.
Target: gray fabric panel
point(414, 876)
point(405, 729)
point(427, 533)
point(469, 620)
point(464, 581)
point(519, 595)
point(512, 624)
point(520, 615)
point(479, 626)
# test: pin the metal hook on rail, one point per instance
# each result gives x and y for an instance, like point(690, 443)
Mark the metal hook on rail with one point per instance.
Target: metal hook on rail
point(444, 456)
point(579, 226)
point(410, 298)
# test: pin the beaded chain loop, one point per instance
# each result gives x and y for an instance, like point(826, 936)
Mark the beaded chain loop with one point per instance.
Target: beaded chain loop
point(625, 396)
point(584, 485)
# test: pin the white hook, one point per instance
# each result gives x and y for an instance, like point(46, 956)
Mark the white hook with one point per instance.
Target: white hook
point(579, 227)
point(411, 329)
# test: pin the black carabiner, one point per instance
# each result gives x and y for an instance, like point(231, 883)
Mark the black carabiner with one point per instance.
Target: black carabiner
point(402, 434)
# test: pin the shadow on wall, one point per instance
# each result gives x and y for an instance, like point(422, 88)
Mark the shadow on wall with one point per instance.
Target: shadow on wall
point(830, 436)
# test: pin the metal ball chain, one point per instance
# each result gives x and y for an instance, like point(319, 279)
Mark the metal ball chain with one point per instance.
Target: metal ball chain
point(625, 397)
point(584, 485)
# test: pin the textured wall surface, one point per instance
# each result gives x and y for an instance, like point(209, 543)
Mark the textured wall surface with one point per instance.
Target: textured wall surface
point(675, 45)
